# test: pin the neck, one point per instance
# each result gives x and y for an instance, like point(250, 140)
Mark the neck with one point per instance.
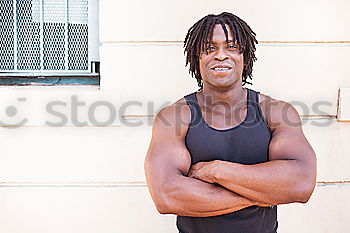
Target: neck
point(234, 96)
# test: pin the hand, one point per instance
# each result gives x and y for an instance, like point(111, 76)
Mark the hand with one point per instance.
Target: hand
point(202, 171)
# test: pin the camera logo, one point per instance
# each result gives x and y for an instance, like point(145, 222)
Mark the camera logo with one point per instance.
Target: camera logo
point(11, 113)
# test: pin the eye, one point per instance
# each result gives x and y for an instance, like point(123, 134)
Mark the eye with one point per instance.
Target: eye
point(231, 46)
point(210, 48)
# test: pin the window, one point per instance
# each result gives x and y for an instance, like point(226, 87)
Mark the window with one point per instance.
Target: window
point(49, 40)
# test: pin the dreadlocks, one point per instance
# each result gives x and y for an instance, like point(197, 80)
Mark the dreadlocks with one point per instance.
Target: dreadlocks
point(201, 33)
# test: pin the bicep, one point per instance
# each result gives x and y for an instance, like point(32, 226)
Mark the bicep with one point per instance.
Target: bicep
point(167, 156)
point(288, 140)
point(289, 143)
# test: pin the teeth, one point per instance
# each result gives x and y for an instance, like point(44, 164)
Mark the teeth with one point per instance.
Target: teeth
point(221, 69)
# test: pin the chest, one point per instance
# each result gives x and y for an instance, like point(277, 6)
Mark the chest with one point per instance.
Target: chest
point(245, 144)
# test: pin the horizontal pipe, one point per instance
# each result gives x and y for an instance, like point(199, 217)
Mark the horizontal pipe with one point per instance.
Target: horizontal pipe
point(46, 126)
point(314, 117)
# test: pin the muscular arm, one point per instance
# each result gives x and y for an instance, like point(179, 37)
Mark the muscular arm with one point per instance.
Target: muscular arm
point(290, 176)
point(167, 164)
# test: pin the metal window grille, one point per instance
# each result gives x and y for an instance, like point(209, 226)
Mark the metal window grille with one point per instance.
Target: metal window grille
point(44, 36)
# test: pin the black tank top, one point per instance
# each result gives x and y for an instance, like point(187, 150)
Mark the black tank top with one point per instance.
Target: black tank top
point(246, 143)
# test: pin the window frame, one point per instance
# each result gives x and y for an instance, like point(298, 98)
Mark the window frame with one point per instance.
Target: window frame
point(91, 76)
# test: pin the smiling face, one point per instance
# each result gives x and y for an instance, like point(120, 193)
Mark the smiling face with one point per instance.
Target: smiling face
point(222, 65)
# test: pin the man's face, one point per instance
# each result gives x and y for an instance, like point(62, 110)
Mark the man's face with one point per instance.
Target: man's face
point(223, 65)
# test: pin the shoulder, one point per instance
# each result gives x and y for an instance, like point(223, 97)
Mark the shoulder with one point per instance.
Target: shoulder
point(174, 118)
point(176, 111)
point(278, 113)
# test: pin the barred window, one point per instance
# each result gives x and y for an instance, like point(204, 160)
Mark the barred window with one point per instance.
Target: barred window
point(39, 37)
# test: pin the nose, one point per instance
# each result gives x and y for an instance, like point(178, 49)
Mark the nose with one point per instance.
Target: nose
point(221, 54)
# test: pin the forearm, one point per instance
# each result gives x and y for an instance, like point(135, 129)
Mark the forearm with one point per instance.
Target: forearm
point(187, 196)
point(274, 182)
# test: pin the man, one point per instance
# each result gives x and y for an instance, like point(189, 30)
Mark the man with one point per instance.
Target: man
point(224, 157)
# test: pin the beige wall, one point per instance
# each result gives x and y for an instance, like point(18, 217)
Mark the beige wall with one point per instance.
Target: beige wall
point(90, 179)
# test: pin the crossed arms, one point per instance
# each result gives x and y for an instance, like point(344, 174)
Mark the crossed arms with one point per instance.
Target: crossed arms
point(220, 187)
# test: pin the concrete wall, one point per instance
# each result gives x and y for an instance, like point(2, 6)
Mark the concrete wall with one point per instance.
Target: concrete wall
point(90, 179)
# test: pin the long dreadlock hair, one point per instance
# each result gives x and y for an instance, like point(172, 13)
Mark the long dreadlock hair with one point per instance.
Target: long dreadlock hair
point(201, 33)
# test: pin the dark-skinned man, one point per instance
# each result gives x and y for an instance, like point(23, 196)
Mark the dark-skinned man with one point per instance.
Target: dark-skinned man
point(222, 158)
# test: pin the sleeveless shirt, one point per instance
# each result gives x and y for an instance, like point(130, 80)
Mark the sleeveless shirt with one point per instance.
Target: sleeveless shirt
point(246, 143)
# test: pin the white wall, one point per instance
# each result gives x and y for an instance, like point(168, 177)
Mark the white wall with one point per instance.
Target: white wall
point(91, 179)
